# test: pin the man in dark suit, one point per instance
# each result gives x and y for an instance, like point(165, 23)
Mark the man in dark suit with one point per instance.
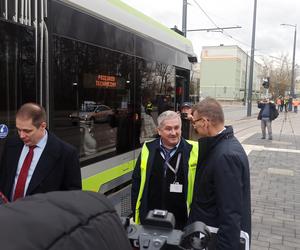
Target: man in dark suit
point(37, 161)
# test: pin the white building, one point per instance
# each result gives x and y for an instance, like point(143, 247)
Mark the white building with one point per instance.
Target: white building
point(223, 73)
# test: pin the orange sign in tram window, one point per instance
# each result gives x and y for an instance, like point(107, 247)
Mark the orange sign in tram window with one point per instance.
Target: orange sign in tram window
point(104, 81)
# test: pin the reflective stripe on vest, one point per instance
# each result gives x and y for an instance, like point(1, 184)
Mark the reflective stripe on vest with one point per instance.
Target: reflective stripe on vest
point(191, 176)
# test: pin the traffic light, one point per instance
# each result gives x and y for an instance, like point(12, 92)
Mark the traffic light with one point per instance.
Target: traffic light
point(266, 82)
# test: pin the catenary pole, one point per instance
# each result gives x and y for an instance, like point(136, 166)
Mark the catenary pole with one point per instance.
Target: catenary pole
point(184, 15)
point(293, 65)
point(249, 106)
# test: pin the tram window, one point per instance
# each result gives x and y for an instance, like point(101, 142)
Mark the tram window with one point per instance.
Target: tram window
point(104, 79)
point(156, 87)
point(17, 72)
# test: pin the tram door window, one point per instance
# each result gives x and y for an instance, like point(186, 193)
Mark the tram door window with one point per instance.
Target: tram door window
point(155, 93)
point(17, 72)
point(182, 87)
point(94, 105)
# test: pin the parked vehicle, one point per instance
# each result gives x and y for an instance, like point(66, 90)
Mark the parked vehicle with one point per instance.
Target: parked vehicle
point(92, 114)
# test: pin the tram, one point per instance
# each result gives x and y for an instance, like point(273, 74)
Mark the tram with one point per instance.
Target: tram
point(93, 65)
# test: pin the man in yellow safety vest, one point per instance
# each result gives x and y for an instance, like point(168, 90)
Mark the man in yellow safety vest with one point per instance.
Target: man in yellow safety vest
point(164, 174)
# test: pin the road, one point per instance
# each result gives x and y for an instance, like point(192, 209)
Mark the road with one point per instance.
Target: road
point(236, 112)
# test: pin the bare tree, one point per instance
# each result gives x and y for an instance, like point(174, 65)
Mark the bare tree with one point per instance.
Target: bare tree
point(163, 70)
point(279, 71)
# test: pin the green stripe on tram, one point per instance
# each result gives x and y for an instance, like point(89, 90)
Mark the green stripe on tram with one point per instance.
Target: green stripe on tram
point(148, 20)
point(94, 183)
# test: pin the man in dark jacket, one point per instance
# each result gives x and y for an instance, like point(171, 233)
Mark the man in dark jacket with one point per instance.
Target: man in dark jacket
point(267, 114)
point(185, 112)
point(164, 174)
point(222, 183)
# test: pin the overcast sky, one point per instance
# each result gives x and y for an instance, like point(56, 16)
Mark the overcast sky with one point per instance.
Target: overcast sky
point(271, 38)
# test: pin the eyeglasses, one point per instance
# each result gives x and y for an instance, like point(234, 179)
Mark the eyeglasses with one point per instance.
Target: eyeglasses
point(201, 118)
point(195, 121)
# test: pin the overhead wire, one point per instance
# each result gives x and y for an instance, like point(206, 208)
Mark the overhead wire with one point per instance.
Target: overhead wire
point(204, 12)
point(217, 26)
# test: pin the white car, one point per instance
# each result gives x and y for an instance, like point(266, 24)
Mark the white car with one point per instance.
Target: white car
point(92, 114)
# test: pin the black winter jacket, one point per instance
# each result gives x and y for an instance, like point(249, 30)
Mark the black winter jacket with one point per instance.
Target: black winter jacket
point(273, 111)
point(222, 189)
point(69, 220)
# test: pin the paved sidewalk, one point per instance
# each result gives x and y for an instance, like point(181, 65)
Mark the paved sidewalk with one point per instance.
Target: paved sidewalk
point(275, 184)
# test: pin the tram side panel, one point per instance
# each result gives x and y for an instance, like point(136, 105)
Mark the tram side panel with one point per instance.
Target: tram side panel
point(102, 76)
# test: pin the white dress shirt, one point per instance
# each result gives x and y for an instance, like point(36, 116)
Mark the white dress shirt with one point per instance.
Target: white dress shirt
point(37, 152)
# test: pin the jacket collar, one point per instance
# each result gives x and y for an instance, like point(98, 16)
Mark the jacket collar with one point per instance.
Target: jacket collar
point(207, 144)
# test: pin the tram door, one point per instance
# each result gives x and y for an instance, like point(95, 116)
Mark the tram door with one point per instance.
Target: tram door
point(17, 74)
point(182, 95)
point(182, 87)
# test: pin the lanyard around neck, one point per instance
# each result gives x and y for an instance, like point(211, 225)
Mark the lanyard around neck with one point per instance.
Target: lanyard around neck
point(169, 165)
point(177, 164)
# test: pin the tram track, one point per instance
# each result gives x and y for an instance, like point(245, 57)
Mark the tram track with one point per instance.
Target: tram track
point(283, 123)
point(243, 125)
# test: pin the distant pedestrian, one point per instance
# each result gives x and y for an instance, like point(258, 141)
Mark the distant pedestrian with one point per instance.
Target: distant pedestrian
point(290, 102)
point(281, 103)
point(222, 183)
point(186, 117)
point(267, 114)
point(278, 103)
point(285, 103)
point(149, 107)
point(295, 105)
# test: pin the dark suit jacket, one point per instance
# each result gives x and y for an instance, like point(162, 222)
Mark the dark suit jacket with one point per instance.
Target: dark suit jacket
point(57, 169)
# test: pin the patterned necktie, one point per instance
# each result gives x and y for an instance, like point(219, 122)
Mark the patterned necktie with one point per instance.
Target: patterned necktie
point(19, 191)
point(167, 154)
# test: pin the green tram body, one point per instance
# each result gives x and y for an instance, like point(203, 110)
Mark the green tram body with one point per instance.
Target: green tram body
point(93, 65)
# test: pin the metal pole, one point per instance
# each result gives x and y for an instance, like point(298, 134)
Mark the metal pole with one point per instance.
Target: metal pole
point(184, 14)
point(246, 78)
point(293, 65)
point(29, 13)
point(6, 10)
point(26, 12)
point(41, 38)
point(22, 12)
point(249, 107)
point(16, 17)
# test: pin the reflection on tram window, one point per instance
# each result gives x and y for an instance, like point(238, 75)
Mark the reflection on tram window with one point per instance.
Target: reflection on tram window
point(17, 72)
point(106, 102)
point(128, 126)
point(91, 113)
point(92, 85)
point(157, 91)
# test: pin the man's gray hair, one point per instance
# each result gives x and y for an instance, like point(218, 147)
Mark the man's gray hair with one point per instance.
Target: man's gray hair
point(167, 115)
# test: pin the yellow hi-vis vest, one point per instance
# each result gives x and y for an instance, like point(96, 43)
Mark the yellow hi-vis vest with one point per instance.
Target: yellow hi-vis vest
point(193, 159)
point(149, 106)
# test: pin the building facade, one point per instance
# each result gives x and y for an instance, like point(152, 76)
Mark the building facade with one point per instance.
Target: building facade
point(224, 73)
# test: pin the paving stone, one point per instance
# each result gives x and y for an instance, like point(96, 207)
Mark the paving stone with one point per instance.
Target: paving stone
point(259, 243)
point(275, 195)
